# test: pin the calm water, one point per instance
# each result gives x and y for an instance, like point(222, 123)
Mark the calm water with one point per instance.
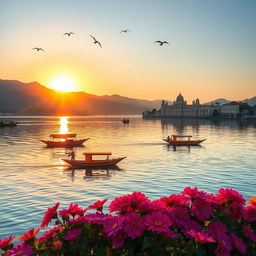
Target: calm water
point(34, 177)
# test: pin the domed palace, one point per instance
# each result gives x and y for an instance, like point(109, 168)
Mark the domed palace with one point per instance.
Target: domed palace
point(181, 109)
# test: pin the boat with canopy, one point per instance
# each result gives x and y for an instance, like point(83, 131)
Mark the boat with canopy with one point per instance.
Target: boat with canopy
point(182, 140)
point(90, 162)
point(64, 140)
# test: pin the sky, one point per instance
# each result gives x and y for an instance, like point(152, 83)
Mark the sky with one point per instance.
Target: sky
point(211, 52)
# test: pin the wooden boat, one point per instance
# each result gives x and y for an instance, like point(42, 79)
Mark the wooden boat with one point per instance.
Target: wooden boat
point(182, 140)
point(89, 162)
point(126, 121)
point(64, 140)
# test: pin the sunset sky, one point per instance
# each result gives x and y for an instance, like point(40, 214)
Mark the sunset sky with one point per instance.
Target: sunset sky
point(212, 50)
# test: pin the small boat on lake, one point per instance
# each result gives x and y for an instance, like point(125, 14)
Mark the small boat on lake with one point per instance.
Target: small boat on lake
point(90, 162)
point(182, 140)
point(8, 124)
point(64, 140)
point(126, 121)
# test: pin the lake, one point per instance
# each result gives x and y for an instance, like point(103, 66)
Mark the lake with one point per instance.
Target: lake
point(33, 177)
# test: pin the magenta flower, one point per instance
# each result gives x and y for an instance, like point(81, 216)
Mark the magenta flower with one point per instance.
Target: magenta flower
point(73, 210)
point(97, 218)
point(201, 237)
point(249, 233)
point(201, 209)
point(133, 225)
point(179, 216)
point(178, 200)
point(158, 222)
point(238, 243)
point(97, 205)
point(229, 195)
point(7, 242)
point(20, 250)
point(73, 234)
point(217, 229)
point(49, 234)
point(49, 215)
point(224, 246)
point(249, 213)
point(118, 239)
point(113, 225)
point(194, 193)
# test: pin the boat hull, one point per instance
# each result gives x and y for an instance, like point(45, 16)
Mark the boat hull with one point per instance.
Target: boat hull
point(94, 163)
point(184, 142)
point(64, 144)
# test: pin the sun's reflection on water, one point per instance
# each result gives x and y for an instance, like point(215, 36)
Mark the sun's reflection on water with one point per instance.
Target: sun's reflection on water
point(64, 124)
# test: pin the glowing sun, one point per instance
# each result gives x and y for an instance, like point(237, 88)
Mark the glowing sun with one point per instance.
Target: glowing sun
point(62, 84)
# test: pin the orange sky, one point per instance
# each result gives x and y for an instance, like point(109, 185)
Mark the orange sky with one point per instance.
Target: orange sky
point(211, 52)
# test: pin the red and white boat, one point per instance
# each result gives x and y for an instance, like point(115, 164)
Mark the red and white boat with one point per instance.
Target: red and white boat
point(64, 140)
point(89, 162)
point(182, 140)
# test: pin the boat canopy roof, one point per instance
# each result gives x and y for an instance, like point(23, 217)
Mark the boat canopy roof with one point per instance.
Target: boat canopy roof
point(97, 153)
point(182, 136)
point(63, 136)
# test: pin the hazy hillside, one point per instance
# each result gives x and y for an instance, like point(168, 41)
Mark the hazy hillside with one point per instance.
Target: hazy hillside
point(34, 99)
point(251, 101)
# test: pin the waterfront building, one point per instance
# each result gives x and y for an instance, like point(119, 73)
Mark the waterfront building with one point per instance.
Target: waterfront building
point(180, 108)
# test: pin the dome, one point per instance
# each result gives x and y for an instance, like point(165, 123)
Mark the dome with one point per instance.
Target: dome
point(179, 98)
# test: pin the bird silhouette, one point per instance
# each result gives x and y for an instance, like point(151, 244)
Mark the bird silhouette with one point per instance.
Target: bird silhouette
point(38, 49)
point(68, 33)
point(124, 31)
point(96, 41)
point(161, 42)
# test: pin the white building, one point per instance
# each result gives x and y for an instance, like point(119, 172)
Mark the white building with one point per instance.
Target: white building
point(180, 108)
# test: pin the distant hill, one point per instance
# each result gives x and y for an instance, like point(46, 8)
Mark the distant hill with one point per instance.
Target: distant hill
point(221, 101)
point(35, 99)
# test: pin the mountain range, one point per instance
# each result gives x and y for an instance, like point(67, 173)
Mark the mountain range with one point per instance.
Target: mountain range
point(35, 99)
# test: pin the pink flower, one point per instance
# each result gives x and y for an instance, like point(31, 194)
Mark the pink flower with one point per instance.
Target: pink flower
point(73, 210)
point(193, 193)
point(49, 234)
point(217, 229)
point(97, 205)
point(49, 215)
point(238, 243)
point(20, 250)
point(29, 234)
point(178, 200)
point(201, 209)
point(128, 203)
point(73, 234)
point(97, 218)
point(7, 242)
point(133, 225)
point(201, 237)
point(249, 233)
point(113, 225)
point(158, 222)
point(229, 195)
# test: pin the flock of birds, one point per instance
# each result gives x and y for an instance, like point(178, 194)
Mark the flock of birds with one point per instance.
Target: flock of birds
point(161, 43)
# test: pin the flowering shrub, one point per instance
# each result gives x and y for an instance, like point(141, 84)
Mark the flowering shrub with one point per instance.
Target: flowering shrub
point(191, 223)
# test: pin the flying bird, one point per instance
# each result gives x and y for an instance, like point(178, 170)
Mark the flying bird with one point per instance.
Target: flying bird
point(38, 49)
point(124, 31)
point(69, 33)
point(161, 42)
point(96, 41)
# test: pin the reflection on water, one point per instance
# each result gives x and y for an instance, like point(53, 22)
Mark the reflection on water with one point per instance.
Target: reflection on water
point(33, 177)
point(63, 124)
